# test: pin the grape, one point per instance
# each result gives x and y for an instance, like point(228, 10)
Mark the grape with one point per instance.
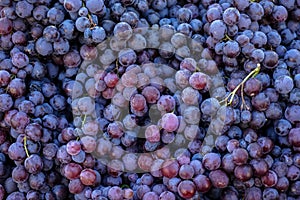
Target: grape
point(152, 133)
point(190, 96)
point(130, 17)
point(271, 59)
point(43, 47)
point(61, 46)
point(72, 171)
point(89, 144)
point(75, 186)
point(170, 168)
point(231, 49)
point(169, 122)
point(16, 87)
point(186, 172)
point(291, 114)
point(88, 177)
point(243, 172)
point(50, 150)
point(200, 81)
point(95, 6)
point(150, 195)
point(24, 9)
point(36, 181)
point(111, 79)
point(66, 29)
point(130, 161)
point(218, 29)
point(241, 4)
point(202, 183)
point(82, 23)
point(280, 13)
point(293, 173)
point(16, 151)
point(142, 190)
point(55, 15)
point(213, 14)
point(255, 11)
point(4, 78)
point(122, 30)
point(6, 102)
point(20, 60)
point(294, 137)
point(172, 184)
point(186, 189)
point(192, 115)
point(167, 195)
point(260, 102)
point(283, 84)
point(6, 25)
point(269, 179)
point(72, 5)
point(218, 178)
point(166, 103)
point(33, 164)
point(231, 16)
point(73, 147)
point(128, 193)
point(19, 121)
point(19, 174)
point(145, 162)
point(51, 34)
point(115, 129)
point(16, 195)
point(211, 161)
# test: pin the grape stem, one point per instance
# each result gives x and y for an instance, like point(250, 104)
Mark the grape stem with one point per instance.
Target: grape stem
point(227, 38)
point(91, 21)
point(117, 65)
point(83, 121)
point(125, 186)
point(25, 146)
point(229, 98)
point(12, 76)
point(90, 18)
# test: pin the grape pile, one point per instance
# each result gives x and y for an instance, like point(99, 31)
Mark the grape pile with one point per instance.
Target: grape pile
point(150, 99)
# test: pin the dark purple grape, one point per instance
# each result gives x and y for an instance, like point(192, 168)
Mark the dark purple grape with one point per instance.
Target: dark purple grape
point(218, 29)
point(280, 13)
point(211, 161)
point(253, 193)
point(170, 168)
point(293, 137)
point(202, 183)
point(33, 164)
point(243, 172)
point(240, 156)
point(19, 174)
point(269, 179)
point(6, 26)
point(167, 196)
point(16, 87)
point(88, 177)
point(6, 102)
point(219, 179)
point(186, 189)
point(72, 171)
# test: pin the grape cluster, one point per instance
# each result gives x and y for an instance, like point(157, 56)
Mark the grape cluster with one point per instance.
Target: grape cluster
point(150, 99)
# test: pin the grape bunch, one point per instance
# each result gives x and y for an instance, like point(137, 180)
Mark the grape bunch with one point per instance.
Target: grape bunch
point(150, 99)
